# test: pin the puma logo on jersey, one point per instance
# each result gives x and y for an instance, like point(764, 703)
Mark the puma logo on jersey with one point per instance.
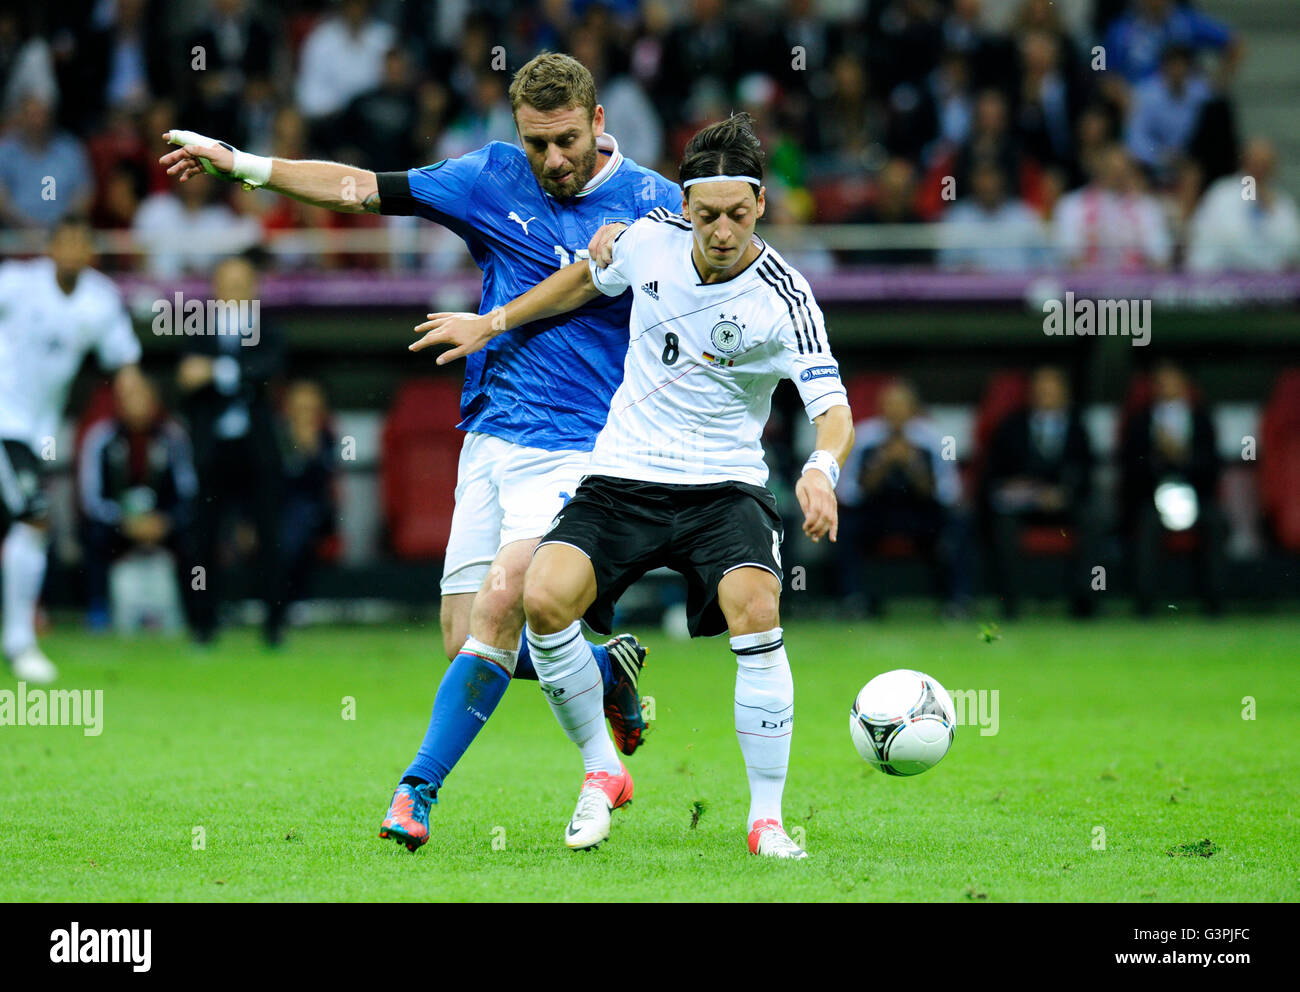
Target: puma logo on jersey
point(651, 289)
point(522, 223)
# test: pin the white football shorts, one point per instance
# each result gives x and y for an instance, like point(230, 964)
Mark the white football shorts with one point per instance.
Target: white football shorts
point(505, 492)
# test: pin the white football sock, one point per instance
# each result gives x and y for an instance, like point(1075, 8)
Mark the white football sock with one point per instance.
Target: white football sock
point(567, 672)
point(764, 718)
point(22, 562)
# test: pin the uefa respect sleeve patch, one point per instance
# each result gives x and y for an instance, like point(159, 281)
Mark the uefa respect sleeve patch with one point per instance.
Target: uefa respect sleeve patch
point(819, 372)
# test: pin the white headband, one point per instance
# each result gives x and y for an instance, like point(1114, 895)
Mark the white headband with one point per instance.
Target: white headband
point(722, 179)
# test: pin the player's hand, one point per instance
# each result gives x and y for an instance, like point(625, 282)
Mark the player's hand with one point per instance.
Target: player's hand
point(467, 332)
point(183, 163)
point(601, 249)
point(817, 500)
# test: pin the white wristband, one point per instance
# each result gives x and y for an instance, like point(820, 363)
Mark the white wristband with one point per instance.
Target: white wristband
point(254, 170)
point(251, 170)
point(826, 463)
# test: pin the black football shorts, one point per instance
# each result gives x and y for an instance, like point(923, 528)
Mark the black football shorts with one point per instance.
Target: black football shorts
point(627, 528)
point(21, 494)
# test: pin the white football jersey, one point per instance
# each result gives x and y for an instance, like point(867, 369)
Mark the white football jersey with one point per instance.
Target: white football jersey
point(703, 359)
point(44, 337)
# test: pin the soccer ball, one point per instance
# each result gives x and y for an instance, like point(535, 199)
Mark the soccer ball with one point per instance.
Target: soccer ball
point(902, 722)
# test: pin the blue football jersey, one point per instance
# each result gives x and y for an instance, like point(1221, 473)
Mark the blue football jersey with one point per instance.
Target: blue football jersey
point(547, 384)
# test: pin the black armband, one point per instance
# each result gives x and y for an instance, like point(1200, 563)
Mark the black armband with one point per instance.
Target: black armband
point(395, 198)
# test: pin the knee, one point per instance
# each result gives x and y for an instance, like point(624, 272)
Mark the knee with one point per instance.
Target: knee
point(754, 613)
point(545, 611)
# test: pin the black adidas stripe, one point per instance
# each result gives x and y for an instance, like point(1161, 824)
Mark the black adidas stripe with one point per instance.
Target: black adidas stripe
point(760, 648)
point(789, 304)
point(554, 647)
point(665, 216)
point(803, 299)
point(810, 328)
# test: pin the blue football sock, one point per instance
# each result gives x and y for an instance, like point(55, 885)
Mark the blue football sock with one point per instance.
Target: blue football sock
point(524, 664)
point(467, 695)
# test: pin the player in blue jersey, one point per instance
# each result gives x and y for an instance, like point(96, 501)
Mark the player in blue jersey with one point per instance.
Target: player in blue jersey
point(532, 403)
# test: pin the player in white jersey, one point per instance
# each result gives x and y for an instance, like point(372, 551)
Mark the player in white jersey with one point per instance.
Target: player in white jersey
point(677, 475)
point(53, 311)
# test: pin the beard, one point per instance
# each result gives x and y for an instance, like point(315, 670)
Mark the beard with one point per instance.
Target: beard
point(582, 171)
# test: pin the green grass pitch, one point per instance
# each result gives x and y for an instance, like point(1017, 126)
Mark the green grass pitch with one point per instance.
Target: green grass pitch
point(1120, 749)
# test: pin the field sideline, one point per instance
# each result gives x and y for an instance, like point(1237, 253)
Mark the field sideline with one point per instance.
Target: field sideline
point(1134, 730)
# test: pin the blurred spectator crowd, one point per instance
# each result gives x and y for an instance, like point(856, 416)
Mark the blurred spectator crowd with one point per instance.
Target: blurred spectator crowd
point(1107, 142)
point(244, 473)
point(1031, 494)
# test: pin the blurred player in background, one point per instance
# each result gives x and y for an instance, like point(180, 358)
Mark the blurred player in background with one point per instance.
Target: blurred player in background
point(533, 402)
point(677, 477)
point(53, 310)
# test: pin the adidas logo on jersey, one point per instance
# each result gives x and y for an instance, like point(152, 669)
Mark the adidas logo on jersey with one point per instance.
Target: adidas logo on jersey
point(651, 289)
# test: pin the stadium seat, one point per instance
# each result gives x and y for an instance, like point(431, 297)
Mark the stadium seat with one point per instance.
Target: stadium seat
point(1279, 460)
point(1137, 397)
point(895, 546)
point(1007, 391)
point(1046, 539)
point(421, 450)
point(840, 198)
point(100, 406)
point(864, 390)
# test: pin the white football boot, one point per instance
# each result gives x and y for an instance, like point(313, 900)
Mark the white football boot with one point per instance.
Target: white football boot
point(32, 666)
point(768, 839)
point(601, 793)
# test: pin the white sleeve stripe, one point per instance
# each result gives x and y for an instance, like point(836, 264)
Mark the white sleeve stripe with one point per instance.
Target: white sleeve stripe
point(93, 502)
point(797, 318)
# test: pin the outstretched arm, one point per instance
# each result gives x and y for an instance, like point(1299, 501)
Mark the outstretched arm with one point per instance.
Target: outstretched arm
point(815, 489)
point(566, 290)
point(344, 188)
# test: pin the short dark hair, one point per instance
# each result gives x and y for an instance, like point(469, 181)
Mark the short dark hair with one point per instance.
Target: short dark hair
point(727, 148)
point(553, 81)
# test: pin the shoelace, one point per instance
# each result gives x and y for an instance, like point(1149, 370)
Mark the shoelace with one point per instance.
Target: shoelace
point(779, 841)
point(407, 804)
point(592, 802)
